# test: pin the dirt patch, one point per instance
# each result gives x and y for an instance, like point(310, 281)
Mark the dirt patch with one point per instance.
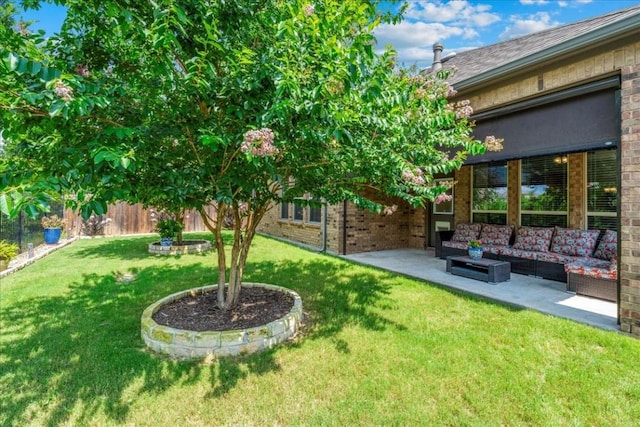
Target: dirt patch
point(257, 307)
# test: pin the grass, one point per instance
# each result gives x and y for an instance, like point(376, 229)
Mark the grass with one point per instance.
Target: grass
point(381, 349)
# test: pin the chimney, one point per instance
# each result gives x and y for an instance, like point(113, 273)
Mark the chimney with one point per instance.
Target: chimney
point(437, 61)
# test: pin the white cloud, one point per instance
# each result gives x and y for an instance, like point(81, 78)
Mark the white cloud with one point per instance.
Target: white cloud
point(534, 2)
point(414, 40)
point(573, 3)
point(412, 34)
point(458, 13)
point(521, 26)
point(428, 22)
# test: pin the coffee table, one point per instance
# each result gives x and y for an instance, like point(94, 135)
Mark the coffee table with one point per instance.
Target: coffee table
point(487, 270)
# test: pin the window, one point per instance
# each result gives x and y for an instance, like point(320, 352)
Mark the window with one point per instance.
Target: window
point(284, 210)
point(315, 214)
point(301, 211)
point(602, 190)
point(298, 212)
point(543, 194)
point(489, 194)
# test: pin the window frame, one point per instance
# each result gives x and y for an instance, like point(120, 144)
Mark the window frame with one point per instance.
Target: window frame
point(298, 208)
point(309, 215)
point(563, 160)
point(616, 189)
point(282, 217)
point(505, 212)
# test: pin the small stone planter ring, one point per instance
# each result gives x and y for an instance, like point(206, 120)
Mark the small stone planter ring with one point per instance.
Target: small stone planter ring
point(184, 344)
point(187, 247)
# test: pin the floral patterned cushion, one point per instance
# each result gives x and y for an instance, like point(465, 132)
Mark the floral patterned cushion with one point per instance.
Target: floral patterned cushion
point(493, 249)
point(574, 242)
point(497, 235)
point(455, 245)
point(608, 246)
point(533, 239)
point(465, 232)
point(557, 258)
point(519, 253)
point(610, 273)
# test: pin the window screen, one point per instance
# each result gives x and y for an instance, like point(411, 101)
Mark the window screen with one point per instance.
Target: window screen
point(543, 196)
point(315, 214)
point(602, 189)
point(284, 210)
point(298, 212)
point(490, 193)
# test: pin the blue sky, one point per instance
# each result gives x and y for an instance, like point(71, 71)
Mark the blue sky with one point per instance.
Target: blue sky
point(459, 25)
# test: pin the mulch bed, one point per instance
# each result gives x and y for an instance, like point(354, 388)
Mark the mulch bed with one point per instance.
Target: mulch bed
point(256, 307)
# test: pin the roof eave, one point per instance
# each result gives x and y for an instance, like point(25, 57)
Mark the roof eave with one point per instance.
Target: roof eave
point(605, 34)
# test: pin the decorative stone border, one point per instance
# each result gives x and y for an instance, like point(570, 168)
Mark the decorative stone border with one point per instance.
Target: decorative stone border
point(187, 247)
point(184, 344)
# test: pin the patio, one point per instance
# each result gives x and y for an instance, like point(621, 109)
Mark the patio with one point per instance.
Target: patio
point(546, 296)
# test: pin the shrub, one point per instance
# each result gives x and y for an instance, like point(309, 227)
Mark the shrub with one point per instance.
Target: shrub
point(53, 221)
point(8, 251)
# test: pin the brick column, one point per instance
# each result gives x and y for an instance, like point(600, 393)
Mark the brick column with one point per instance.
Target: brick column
point(513, 197)
point(629, 269)
point(462, 195)
point(577, 184)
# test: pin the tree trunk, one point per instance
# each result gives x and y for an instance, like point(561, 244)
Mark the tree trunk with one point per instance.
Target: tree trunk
point(243, 233)
point(180, 218)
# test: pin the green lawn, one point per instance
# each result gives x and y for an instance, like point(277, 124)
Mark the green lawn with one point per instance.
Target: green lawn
point(380, 349)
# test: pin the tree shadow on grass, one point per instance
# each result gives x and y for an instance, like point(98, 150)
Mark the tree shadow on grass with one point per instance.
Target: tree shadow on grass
point(84, 348)
point(81, 352)
point(133, 248)
point(334, 293)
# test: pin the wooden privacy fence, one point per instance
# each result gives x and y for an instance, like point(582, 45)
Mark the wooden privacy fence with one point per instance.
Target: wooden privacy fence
point(124, 218)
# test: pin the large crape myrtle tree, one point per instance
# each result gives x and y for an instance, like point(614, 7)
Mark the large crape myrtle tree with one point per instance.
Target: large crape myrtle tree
point(239, 103)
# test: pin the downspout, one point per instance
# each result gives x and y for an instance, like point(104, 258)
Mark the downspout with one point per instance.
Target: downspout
point(324, 228)
point(344, 228)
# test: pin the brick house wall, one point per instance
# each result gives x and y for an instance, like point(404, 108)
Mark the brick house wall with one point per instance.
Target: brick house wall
point(365, 231)
point(623, 59)
point(368, 231)
point(407, 228)
point(309, 234)
point(629, 266)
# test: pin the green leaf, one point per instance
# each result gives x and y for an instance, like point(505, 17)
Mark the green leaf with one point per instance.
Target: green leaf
point(23, 66)
point(5, 204)
point(57, 108)
point(34, 68)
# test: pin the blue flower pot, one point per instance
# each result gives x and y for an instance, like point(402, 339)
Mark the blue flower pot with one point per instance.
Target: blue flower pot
point(475, 253)
point(52, 235)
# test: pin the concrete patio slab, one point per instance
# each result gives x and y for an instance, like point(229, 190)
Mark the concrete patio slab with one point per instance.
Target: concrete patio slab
point(522, 291)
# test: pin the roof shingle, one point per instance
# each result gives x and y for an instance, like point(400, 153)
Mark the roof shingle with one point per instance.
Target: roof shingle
point(475, 62)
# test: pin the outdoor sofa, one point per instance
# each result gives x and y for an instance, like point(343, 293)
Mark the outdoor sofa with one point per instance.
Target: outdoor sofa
point(584, 259)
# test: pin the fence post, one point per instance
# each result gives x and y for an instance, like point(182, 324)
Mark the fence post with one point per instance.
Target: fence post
point(20, 230)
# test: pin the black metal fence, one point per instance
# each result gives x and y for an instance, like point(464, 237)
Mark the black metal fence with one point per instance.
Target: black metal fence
point(23, 230)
